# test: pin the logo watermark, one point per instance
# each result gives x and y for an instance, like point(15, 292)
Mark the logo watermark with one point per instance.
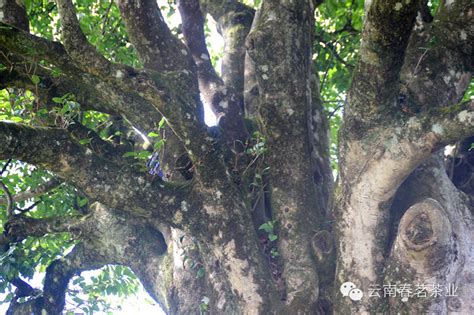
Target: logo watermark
point(404, 291)
point(349, 289)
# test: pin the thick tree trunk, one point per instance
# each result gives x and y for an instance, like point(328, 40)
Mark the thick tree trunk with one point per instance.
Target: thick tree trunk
point(385, 136)
point(285, 94)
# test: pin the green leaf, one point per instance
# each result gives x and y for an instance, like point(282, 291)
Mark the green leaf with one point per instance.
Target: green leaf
point(274, 252)
point(143, 155)
point(16, 119)
point(153, 134)
point(159, 144)
point(57, 100)
point(272, 237)
point(203, 307)
point(267, 227)
point(77, 280)
point(85, 141)
point(56, 72)
point(109, 290)
point(35, 79)
point(82, 201)
point(200, 272)
point(162, 123)
point(130, 154)
point(79, 301)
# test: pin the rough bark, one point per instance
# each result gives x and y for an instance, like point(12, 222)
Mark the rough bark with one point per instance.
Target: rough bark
point(382, 141)
point(285, 113)
point(433, 242)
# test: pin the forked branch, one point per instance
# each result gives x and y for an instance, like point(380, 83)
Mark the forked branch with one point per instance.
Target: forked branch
point(223, 100)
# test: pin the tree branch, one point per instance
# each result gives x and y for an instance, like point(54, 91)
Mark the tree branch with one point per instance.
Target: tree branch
point(35, 48)
point(89, 91)
point(5, 166)
point(8, 198)
point(99, 146)
point(234, 21)
point(193, 31)
point(438, 65)
point(225, 102)
point(442, 126)
point(91, 61)
point(58, 275)
point(41, 189)
point(384, 39)
point(96, 250)
point(332, 49)
point(77, 46)
point(284, 83)
point(116, 185)
point(23, 288)
point(157, 48)
point(14, 14)
point(12, 78)
point(20, 226)
point(162, 93)
point(137, 94)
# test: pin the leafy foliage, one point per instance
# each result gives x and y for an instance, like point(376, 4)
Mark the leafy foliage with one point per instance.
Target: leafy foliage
point(16, 106)
point(31, 257)
point(338, 30)
point(270, 228)
point(100, 22)
point(109, 281)
point(469, 95)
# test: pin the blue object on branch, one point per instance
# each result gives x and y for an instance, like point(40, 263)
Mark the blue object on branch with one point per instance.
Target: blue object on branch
point(153, 165)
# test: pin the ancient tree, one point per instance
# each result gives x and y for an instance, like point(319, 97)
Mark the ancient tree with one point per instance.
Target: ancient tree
point(243, 218)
